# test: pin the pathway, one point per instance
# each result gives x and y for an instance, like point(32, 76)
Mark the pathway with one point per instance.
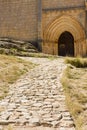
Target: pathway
point(37, 99)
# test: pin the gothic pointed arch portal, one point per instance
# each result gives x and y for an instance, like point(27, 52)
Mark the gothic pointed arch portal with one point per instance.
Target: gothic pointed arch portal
point(59, 26)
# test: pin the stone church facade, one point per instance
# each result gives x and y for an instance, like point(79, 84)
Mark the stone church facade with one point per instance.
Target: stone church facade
point(59, 27)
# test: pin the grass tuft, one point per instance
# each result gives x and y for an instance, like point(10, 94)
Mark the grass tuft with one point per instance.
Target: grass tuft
point(77, 62)
point(11, 68)
point(74, 81)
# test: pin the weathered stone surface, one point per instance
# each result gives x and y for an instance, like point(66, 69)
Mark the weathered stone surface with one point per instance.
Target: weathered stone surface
point(34, 121)
point(36, 99)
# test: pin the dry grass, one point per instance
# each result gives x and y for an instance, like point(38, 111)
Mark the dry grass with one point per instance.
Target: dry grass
point(77, 62)
point(75, 85)
point(11, 68)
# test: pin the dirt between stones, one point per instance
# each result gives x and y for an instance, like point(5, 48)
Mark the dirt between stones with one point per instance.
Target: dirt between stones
point(37, 99)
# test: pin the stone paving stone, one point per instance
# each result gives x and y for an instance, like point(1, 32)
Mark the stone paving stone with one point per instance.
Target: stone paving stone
point(38, 98)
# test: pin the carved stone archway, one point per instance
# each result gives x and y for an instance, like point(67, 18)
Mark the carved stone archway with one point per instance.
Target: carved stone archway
point(53, 31)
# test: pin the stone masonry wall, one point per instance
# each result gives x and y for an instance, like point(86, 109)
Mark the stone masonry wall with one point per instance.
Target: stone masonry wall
point(22, 20)
point(52, 11)
point(62, 3)
point(18, 19)
point(56, 8)
point(49, 16)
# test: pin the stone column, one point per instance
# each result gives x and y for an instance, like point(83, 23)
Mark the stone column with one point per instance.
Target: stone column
point(40, 25)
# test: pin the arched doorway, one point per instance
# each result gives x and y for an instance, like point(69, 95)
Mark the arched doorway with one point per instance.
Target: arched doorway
point(66, 44)
point(64, 26)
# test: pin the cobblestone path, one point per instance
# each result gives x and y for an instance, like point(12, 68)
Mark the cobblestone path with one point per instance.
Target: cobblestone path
point(37, 99)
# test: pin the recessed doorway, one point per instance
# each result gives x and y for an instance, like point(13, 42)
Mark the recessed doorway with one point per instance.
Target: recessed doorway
point(66, 44)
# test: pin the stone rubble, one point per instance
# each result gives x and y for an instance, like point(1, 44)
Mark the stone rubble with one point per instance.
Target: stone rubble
point(37, 99)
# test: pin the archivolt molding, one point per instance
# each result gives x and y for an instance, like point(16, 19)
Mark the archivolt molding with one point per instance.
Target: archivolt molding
point(64, 23)
point(53, 31)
